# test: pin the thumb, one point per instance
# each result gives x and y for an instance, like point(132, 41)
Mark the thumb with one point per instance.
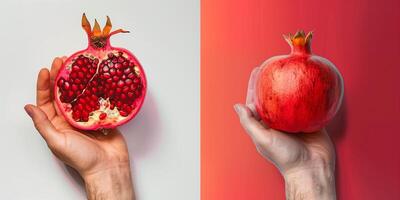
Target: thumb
point(43, 125)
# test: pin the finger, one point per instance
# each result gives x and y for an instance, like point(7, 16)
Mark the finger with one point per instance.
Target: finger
point(250, 101)
point(269, 142)
point(252, 126)
point(43, 87)
point(55, 67)
point(44, 126)
point(254, 112)
point(251, 86)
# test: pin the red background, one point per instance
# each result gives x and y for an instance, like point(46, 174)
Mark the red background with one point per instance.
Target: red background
point(361, 37)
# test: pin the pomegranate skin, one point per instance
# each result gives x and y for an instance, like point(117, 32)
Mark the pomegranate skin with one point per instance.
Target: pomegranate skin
point(299, 92)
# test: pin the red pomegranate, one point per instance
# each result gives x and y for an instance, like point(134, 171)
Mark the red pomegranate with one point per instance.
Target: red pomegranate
point(102, 86)
point(299, 92)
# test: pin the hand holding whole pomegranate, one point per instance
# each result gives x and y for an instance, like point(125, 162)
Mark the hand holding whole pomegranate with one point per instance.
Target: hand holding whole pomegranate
point(307, 161)
point(101, 160)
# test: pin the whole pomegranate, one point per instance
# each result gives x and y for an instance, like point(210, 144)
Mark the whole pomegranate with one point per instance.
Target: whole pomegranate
point(299, 92)
point(102, 86)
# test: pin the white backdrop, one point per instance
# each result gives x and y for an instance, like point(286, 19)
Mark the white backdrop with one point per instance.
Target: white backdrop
point(163, 140)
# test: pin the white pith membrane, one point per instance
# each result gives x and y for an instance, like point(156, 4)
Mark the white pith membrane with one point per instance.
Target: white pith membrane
point(113, 115)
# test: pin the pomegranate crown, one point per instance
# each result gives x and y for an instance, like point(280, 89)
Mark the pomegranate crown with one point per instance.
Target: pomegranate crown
point(300, 42)
point(99, 38)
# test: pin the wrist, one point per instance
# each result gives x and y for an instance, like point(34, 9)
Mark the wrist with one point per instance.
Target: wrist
point(311, 182)
point(111, 183)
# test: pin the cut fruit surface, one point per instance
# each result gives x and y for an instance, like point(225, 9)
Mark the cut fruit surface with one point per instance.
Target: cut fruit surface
point(102, 86)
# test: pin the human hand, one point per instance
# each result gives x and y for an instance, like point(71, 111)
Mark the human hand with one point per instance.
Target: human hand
point(101, 160)
point(306, 160)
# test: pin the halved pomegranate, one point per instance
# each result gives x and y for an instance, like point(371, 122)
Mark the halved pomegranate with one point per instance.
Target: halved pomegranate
point(102, 86)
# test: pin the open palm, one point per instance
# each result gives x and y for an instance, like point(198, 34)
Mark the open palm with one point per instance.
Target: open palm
point(87, 151)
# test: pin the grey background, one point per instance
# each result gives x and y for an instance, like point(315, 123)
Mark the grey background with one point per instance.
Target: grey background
point(163, 140)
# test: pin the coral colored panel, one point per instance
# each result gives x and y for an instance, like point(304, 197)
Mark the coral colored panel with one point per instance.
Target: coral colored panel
point(361, 37)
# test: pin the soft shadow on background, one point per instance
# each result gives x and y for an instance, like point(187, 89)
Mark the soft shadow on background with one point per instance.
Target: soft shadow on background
point(336, 129)
point(141, 134)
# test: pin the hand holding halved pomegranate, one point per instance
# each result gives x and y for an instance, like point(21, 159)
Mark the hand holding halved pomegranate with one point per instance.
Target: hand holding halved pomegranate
point(101, 160)
point(299, 92)
point(102, 86)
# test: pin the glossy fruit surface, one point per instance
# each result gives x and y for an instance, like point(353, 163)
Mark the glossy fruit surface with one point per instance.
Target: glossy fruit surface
point(299, 92)
point(102, 86)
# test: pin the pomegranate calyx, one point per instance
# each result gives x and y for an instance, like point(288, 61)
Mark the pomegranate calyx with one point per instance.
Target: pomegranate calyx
point(300, 42)
point(99, 38)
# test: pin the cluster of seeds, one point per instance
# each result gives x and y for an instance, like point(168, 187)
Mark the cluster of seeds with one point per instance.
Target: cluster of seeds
point(121, 83)
point(82, 71)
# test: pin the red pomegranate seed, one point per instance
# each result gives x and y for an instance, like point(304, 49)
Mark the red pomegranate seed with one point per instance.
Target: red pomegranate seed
point(79, 107)
point(125, 89)
point(66, 85)
point(79, 62)
point(60, 82)
point(81, 74)
point(85, 116)
point(123, 113)
point(102, 116)
point(74, 87)
point(75, 67)
point(77, 81)
point(117, 65)
point(118, 104)
point(120, 83)
point(94, 97)
point(131, 75)
point(70, 93)
point(128, 81)
point(73, 75)
point(110, 92)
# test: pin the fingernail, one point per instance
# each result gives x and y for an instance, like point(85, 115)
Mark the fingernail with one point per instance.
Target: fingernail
point(28, 110)
point(237, 108)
